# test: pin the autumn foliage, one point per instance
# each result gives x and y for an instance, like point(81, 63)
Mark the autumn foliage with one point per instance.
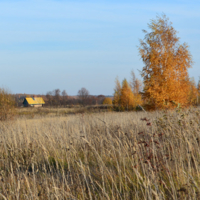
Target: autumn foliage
point(107, 101)
point(125, 96)
point(165, 74)
point(117, 93)
point(198, 92)
point(193, 93)
point(7, 105)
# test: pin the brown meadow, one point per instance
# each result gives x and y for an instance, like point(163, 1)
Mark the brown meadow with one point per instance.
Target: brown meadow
point(113, 155)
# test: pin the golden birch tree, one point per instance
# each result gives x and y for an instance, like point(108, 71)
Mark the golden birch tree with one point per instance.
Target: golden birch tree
point(193, 93)
point(198, 92)
point(117, 93)
point(165, 74)
point(127, 97)
point(136, 86)
point(198, 86)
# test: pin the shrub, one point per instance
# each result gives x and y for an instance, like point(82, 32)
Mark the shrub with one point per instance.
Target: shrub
point(7, 105)
point(107, 101)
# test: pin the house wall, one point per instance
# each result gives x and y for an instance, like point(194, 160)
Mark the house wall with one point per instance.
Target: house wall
point(36, 106)
point(25, 103)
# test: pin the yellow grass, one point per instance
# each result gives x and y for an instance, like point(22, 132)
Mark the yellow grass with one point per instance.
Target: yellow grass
point(31, 112)
point(101, 156)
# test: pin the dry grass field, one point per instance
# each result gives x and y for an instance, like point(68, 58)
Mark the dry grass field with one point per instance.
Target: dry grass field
point(31, 112)
point(129, 155)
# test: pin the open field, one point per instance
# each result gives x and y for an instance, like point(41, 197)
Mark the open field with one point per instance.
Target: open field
point(31, 112)
point(102, 156)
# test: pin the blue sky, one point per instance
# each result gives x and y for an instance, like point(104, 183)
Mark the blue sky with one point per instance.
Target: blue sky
point(50, 44)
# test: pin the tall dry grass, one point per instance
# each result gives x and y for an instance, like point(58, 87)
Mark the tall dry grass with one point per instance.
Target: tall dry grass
point(102, 156)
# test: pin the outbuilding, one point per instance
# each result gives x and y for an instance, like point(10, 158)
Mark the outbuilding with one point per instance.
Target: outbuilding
point(33, 101)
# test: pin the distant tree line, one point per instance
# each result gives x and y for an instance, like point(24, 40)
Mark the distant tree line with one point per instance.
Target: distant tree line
point(56, 98)
point(83, 98)
point(60, 98)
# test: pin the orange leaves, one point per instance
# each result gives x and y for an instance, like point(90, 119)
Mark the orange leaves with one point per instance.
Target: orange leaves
point(193, 92)
point(124, 98)
point(127, 97)
point(107, 101)
point(117, 94)
point(165, 75)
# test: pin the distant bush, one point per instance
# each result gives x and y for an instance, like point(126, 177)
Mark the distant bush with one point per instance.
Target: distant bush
point(7, 105)
point(107, 101)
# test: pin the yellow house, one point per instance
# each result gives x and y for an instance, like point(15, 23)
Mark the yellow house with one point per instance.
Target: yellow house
point(33, 101)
